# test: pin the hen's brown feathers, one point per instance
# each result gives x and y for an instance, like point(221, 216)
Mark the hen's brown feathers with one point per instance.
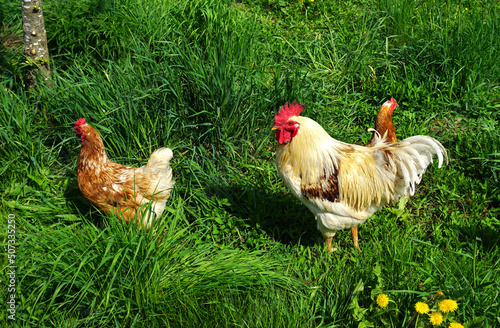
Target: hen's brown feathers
point(383, 123)
point(122, 190)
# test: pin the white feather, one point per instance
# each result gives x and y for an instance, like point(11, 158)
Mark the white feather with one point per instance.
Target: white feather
point(368, 177)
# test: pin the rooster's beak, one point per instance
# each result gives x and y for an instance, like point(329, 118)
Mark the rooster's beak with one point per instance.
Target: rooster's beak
point(275, 127)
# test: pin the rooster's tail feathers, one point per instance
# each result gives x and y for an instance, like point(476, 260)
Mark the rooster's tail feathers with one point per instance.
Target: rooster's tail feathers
point(427, 147)
point(411, 159)
point(377, 138)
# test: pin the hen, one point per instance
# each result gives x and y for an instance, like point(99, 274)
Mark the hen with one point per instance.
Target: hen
point(344, 184)
point(128, 192)
point(383, 123)
point(385, 128)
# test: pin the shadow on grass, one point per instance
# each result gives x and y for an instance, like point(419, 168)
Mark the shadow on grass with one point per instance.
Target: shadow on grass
point(280, 215)
point(488, 237)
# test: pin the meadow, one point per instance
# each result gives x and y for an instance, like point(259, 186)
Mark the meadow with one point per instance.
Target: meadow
point(234, 248)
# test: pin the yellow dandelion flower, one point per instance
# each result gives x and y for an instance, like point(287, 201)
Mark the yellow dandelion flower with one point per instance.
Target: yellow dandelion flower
point(422, 307)
point(455, 325)
point(446, 306)
point(382, 300)
point(439, 293)
point(312, 0)
point(466, 8)
point(436, 319)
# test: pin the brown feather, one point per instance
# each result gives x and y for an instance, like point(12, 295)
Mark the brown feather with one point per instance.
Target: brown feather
point(325, 188)
point(115, 188)
point(384, 124)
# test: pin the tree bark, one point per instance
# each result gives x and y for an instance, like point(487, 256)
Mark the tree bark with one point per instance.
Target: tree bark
point(35, 42)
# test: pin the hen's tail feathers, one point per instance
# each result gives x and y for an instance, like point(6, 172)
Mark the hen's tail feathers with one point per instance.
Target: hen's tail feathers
point(159, 165)
point(411, 158)
point(158, 173)
point(160, 158)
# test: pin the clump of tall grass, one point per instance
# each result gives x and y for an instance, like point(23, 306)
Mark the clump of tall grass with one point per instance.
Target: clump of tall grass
point(97, 275)
point(451, 47)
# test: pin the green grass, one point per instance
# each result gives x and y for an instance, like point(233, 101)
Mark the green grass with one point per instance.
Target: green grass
point(234, 248)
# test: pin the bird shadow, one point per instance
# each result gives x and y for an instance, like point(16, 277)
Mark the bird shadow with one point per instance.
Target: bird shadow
point(487, 237)
point(280, 215)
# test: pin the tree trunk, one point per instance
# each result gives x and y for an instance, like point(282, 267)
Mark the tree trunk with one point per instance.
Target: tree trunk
point(35, 42)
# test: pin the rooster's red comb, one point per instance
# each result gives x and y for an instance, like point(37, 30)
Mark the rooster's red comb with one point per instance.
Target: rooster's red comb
point(79, 122)
point(286, 111)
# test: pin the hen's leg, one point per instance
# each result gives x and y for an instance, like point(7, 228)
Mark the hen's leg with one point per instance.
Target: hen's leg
point(354, 231)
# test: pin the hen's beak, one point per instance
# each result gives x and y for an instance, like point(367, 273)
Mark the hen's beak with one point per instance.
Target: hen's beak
point(275, 127)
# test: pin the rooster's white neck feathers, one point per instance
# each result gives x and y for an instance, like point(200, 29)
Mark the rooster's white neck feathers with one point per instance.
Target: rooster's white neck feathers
point(310, 149)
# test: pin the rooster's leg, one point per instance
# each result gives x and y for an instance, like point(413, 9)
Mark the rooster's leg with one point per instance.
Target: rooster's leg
point(328, 244)
point(354, 231)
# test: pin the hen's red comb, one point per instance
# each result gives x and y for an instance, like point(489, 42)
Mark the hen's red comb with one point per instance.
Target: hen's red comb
point(394, 104)
point(79, 122)
point(286, 111)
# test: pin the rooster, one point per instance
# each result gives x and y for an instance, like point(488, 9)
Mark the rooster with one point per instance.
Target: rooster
point(128, 192)
point(385, 128)
point(344, 184)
